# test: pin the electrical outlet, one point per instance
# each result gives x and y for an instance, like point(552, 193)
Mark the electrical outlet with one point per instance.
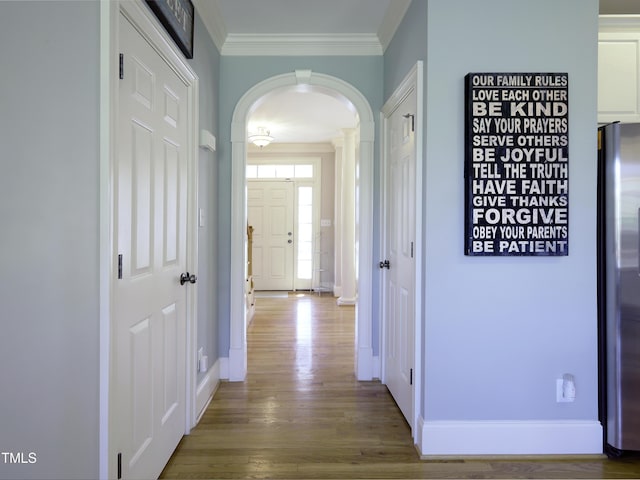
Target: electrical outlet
point(565, 389)
point(200, 356)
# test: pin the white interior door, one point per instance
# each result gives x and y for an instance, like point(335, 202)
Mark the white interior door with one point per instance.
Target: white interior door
point(149, 332)
point(399, 292)
point(270, 213)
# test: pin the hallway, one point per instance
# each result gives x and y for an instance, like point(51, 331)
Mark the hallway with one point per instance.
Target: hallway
point(301, 414)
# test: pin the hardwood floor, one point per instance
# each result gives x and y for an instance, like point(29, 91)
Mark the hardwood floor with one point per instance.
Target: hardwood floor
point(302, 415)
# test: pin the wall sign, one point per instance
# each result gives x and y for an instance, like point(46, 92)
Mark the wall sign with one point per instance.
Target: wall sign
point(176, 16)
point(517, 164)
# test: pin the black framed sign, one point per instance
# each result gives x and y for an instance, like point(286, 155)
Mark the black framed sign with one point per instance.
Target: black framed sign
point(517, 164)
point(176, 16)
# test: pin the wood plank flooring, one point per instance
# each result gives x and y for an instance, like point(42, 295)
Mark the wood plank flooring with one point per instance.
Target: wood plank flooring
point(302, 415)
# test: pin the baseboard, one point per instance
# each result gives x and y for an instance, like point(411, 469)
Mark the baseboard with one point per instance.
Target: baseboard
point(364, 364)
point(346, 301)
point(376, 367)
point(467, 438)
point(237, 370)
point(207, 388)
point(224, 368)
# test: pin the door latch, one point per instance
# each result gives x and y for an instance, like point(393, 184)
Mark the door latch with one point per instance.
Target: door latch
point(385, 264)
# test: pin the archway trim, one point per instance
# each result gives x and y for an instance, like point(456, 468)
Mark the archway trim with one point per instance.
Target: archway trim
point(342, 90)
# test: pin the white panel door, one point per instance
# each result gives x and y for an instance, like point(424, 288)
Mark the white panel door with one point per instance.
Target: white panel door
point(270, 213)
point(399, 291)
point(150, 192)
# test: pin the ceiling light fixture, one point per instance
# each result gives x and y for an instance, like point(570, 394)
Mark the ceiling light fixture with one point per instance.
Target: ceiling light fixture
point(262, 138)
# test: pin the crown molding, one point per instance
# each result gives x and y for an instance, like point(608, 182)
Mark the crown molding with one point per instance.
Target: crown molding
point(212, 19)
point(391, 21)
point(614, 23)
point(301, 44)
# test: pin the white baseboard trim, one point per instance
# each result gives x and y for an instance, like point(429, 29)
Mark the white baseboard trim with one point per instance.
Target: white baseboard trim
point(347, 301)
point(377, 369)
point(364, 364)
point(224, 368)
point(237, 364)
point(553, 437)
point(207, 388)
point(337, 291)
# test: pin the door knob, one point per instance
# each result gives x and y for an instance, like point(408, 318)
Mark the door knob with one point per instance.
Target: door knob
point(187, 277)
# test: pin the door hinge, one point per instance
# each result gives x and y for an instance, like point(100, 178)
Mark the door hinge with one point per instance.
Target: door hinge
point(119, 466)
point(411, 249)
point(413, 123)
point(121, 66)
point(120, 266)
point(411, 376)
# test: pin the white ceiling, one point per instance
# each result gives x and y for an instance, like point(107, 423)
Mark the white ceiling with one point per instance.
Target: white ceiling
point(302, 16)
point(295, 116)
point(313, 27)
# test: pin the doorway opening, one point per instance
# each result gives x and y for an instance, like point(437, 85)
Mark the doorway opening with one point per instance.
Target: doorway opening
point(336, 88)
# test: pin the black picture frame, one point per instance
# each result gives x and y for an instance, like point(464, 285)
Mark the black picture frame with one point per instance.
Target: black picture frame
point(517, 164)
point(177, 17)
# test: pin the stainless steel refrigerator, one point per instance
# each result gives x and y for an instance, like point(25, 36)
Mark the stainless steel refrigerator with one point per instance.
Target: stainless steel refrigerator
point(619, 285)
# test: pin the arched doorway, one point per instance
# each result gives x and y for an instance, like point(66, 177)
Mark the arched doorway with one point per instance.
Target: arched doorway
point(364, 365)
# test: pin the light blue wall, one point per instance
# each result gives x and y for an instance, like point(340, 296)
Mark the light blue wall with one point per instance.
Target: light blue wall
point(237, 76)
point(49, 208)
point(206, 64)
point(409, 45)
point(499, 331)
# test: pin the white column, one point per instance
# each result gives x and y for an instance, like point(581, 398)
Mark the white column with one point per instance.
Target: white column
point(237, 303)
point(338, 143)
point(348, 223)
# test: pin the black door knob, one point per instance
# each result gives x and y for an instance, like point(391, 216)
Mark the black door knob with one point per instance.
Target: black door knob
point(187, 277)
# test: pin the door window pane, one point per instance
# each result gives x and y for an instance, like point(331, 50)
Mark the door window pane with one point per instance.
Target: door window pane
point(252, 171)
point(305, 232)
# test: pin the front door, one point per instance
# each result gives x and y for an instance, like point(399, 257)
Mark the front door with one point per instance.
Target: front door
point(399, 300)
point(270, 213)
point(150, 191)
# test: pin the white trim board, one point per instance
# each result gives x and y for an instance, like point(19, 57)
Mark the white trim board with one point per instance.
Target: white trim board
point(618, 23)
point(545, 437)
point(301, 44)
point(207, 389)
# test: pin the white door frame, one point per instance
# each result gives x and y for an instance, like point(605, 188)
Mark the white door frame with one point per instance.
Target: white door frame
point(149, 27)
point(316, 183)
point(413, 81)
point(343, 91)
